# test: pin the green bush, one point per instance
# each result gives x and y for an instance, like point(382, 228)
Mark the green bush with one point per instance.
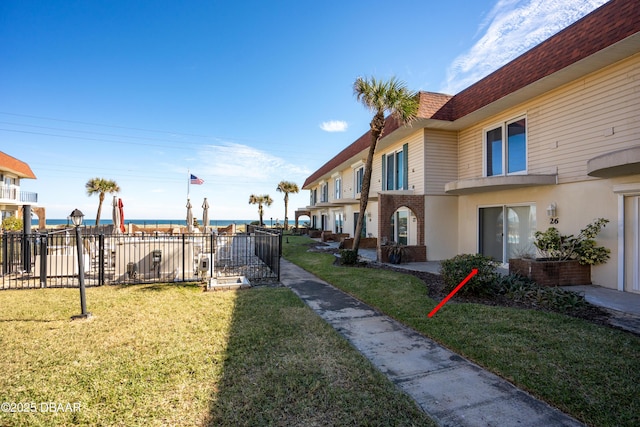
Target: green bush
point(556, 246)
point(12, 223)
point(348, 257)
point(524, 290)
point(456, 269)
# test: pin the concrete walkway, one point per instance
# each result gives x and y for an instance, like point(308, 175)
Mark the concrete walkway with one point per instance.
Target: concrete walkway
point(451, 389)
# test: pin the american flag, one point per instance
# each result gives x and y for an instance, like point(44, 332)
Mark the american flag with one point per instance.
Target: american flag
point(195, 180)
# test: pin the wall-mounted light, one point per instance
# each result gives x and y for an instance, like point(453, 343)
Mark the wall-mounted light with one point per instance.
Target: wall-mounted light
point(552, 210)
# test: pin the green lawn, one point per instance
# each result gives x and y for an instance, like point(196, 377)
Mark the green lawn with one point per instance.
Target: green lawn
point(589, 371)
point(157, 355)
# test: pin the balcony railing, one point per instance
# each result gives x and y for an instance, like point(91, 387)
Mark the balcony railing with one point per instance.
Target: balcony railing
point(28, 197)
point(18, 196)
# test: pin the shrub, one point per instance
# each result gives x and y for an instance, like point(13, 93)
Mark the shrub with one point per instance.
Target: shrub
point(524, 290)
point(555, 246)
point(348, 257)
point(456, 269)
point(12, 223)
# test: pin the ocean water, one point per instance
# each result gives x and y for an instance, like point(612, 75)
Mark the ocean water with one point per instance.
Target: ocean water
point(149, 222)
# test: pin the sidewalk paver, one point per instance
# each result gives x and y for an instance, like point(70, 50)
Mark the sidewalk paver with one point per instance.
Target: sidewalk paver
point(448, 387)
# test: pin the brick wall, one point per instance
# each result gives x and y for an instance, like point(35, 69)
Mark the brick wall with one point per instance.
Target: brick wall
point(411, 254)
point(552, 273)
point(389, 203)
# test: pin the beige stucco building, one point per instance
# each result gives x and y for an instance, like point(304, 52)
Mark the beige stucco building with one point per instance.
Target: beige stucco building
point(551, 138)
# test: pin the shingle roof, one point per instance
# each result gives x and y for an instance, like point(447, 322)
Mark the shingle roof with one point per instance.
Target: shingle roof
point(610, 23)
point(605, 26)
point(16, 166)
point(430, 102)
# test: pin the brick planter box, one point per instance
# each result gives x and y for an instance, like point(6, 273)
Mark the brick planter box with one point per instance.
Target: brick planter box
point(411, 254)
point(365, 243)
point(315, 234)
point(328, 236)
point(552, 273)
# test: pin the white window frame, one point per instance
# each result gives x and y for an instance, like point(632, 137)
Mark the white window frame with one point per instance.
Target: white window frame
point(324, 192)
point(337, 188)
point(505, 147)
point(394, 155)
point(357, 183)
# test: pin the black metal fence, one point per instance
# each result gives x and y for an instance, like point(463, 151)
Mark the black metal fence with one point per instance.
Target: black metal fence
point(51, 259)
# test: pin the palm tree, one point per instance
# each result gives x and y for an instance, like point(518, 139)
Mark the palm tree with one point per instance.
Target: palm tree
point(265, 199)
point(287, 187)
point(380, 97)
point(101, 186)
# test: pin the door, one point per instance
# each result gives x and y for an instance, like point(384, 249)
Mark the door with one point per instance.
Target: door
point(355, 224)
point(632, 244)
point(506, 231)
point(400, 226)
point(339, 221)
point(492, 233)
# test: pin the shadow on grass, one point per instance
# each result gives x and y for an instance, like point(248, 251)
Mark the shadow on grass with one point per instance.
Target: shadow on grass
point(159, 287)
point(30, 320)
point(285, 366)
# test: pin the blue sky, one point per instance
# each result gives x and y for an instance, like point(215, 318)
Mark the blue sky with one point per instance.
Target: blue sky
point(242, 94)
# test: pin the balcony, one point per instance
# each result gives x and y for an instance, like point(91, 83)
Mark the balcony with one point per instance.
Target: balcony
point(497, 183)
point(14, 195)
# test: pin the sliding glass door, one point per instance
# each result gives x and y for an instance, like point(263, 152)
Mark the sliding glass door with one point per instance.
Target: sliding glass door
point(507, 231)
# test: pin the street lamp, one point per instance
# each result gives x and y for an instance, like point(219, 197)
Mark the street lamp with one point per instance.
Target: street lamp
point(76, 217)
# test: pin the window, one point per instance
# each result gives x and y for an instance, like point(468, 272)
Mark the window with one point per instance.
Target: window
point(338, 188)
point(506, 154)
point(395, 170)
point(314, 196)
point(324, 195)
point(359, 174)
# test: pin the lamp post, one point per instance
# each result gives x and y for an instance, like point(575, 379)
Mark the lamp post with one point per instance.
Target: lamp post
point(76, 216)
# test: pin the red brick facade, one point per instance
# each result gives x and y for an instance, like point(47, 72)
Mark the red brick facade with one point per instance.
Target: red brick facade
point(387, 205)
point(552, 273)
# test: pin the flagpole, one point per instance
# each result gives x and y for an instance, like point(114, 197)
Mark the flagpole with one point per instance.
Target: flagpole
point(188, 182)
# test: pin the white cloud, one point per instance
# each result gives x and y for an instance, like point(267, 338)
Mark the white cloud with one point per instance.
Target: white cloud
point(334, 126)
point(234, 171)
point(231, 160)
point(510, 29)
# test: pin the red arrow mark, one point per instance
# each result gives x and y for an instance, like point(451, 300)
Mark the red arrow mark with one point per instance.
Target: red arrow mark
point(453, 292)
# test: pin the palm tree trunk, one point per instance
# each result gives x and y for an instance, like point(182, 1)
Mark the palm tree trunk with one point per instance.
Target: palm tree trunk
point(101, 198)
point(377, 126)
point(286, 208)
